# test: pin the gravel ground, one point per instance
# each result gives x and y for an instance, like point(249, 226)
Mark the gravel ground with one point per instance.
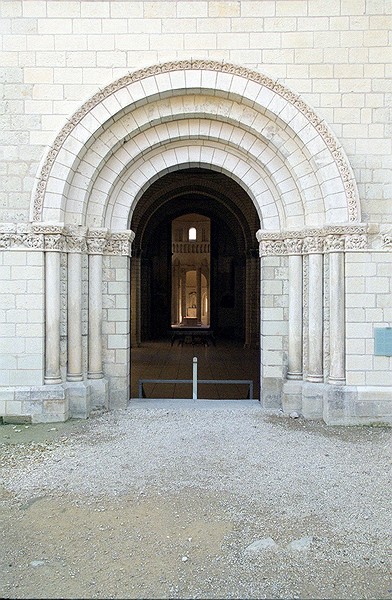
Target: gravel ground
point(195, 500)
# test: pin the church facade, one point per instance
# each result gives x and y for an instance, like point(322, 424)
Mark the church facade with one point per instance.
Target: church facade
point(261, 126)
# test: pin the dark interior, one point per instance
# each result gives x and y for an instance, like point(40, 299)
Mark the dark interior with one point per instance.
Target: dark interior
point(234, 222)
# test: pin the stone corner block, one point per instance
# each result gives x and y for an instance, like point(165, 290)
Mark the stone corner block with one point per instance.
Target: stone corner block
point(292, 396)
point(78, 396)
point(312, 400)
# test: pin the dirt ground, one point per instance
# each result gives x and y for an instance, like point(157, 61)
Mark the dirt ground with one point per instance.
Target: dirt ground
point(151, 543)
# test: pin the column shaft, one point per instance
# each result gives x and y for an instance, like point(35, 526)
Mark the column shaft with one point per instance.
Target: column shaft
point(198, 295)
point(295, 318)
point(95, 369)
point(135, 301)
point(248, 303)
point(337, 318)
point(74, 372)
point(174, 295)
point(52, 321)
point(183, 295)
point(315, 366)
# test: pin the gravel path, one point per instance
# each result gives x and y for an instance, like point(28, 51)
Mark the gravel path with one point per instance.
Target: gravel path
point(214, 501)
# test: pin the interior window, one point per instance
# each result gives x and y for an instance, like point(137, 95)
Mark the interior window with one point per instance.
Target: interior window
point(192, 233)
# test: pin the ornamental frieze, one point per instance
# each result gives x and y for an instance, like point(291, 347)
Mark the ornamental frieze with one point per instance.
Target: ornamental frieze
point(387, 240)
point(331, 238)
point(334, 243)
point(60, 238)
point(294, 246)
point(313, 245)
point(96, 240)
point(323, 130)
point(76, 238)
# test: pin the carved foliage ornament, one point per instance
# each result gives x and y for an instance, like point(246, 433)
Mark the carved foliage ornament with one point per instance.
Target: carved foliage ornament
point(332, 238)
point(61, 238)
point(210, 65)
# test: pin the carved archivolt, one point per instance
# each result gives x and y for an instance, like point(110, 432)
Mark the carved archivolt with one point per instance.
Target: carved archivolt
point(332, 238)
point(387, 240)
point(69, 238)
point(209, 65)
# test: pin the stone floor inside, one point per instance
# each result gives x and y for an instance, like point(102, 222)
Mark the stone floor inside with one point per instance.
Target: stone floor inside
point(226, 360)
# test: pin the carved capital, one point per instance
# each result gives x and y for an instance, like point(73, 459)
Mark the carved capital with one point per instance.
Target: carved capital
point(334, 243)
point(330, 238)
point(120, 244)
point(294, 245)
point(96, 240)
point(53, 235)
point(356, 241)
point(313, 245)
point(76, 238)
point(272, 247)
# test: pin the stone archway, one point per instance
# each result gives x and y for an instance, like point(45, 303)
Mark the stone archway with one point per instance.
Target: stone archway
point(207, 115)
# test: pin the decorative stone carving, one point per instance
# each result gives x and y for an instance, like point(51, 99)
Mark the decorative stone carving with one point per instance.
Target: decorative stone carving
point(356, 242)
point(272, 247)
point(331, 238)
point(120, 243)
point(210, 65)
point(70, 238)
point(96, 240)
point(76, 238)
point(313, 245)
point(334, 243)
point(53, 236)
point(294, 246)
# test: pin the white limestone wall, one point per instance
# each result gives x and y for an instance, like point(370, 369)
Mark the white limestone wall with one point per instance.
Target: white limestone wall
point(22, 349)
point(368, 306)
point(116, 328)
point(21, 318)
point(367, 396)
point(274, 328)
point(56, 54)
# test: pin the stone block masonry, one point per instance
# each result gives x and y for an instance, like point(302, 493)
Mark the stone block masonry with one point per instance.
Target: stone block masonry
point(56, 54)
point(368, 306)
point(22, 318)
point(116, 338)
point(301, 120)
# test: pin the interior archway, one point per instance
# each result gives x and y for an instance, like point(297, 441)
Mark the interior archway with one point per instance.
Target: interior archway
point(234, 316)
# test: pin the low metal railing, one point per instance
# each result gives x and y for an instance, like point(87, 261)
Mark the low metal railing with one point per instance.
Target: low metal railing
point(195, 382)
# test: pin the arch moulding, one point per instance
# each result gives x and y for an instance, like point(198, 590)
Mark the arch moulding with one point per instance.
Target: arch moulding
point(265, 103)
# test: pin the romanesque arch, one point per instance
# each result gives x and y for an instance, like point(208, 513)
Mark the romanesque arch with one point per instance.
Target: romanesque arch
point(201, 113)
point(213, 116)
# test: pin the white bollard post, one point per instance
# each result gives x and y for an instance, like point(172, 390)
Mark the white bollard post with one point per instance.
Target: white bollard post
point(194, 379)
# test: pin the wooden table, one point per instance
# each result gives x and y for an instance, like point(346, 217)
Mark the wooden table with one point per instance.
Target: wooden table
point(192, 336)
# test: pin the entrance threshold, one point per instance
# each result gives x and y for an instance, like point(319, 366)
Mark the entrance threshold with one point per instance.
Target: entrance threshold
point(186, 403)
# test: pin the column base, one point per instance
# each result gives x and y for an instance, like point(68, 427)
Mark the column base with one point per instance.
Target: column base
point(96, 375)
point(99, 393)
point(77, 377)
point(295, 376)
point(292, 396)
point(78, 394)
point(312, 400)
point(336, 381)
point(52, 380)
point(315, 378)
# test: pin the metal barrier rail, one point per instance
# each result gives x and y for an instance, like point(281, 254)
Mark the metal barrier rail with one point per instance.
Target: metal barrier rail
point(230, 381)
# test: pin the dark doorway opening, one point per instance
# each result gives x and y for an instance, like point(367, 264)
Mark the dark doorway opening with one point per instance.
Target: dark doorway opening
point(231, 285)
